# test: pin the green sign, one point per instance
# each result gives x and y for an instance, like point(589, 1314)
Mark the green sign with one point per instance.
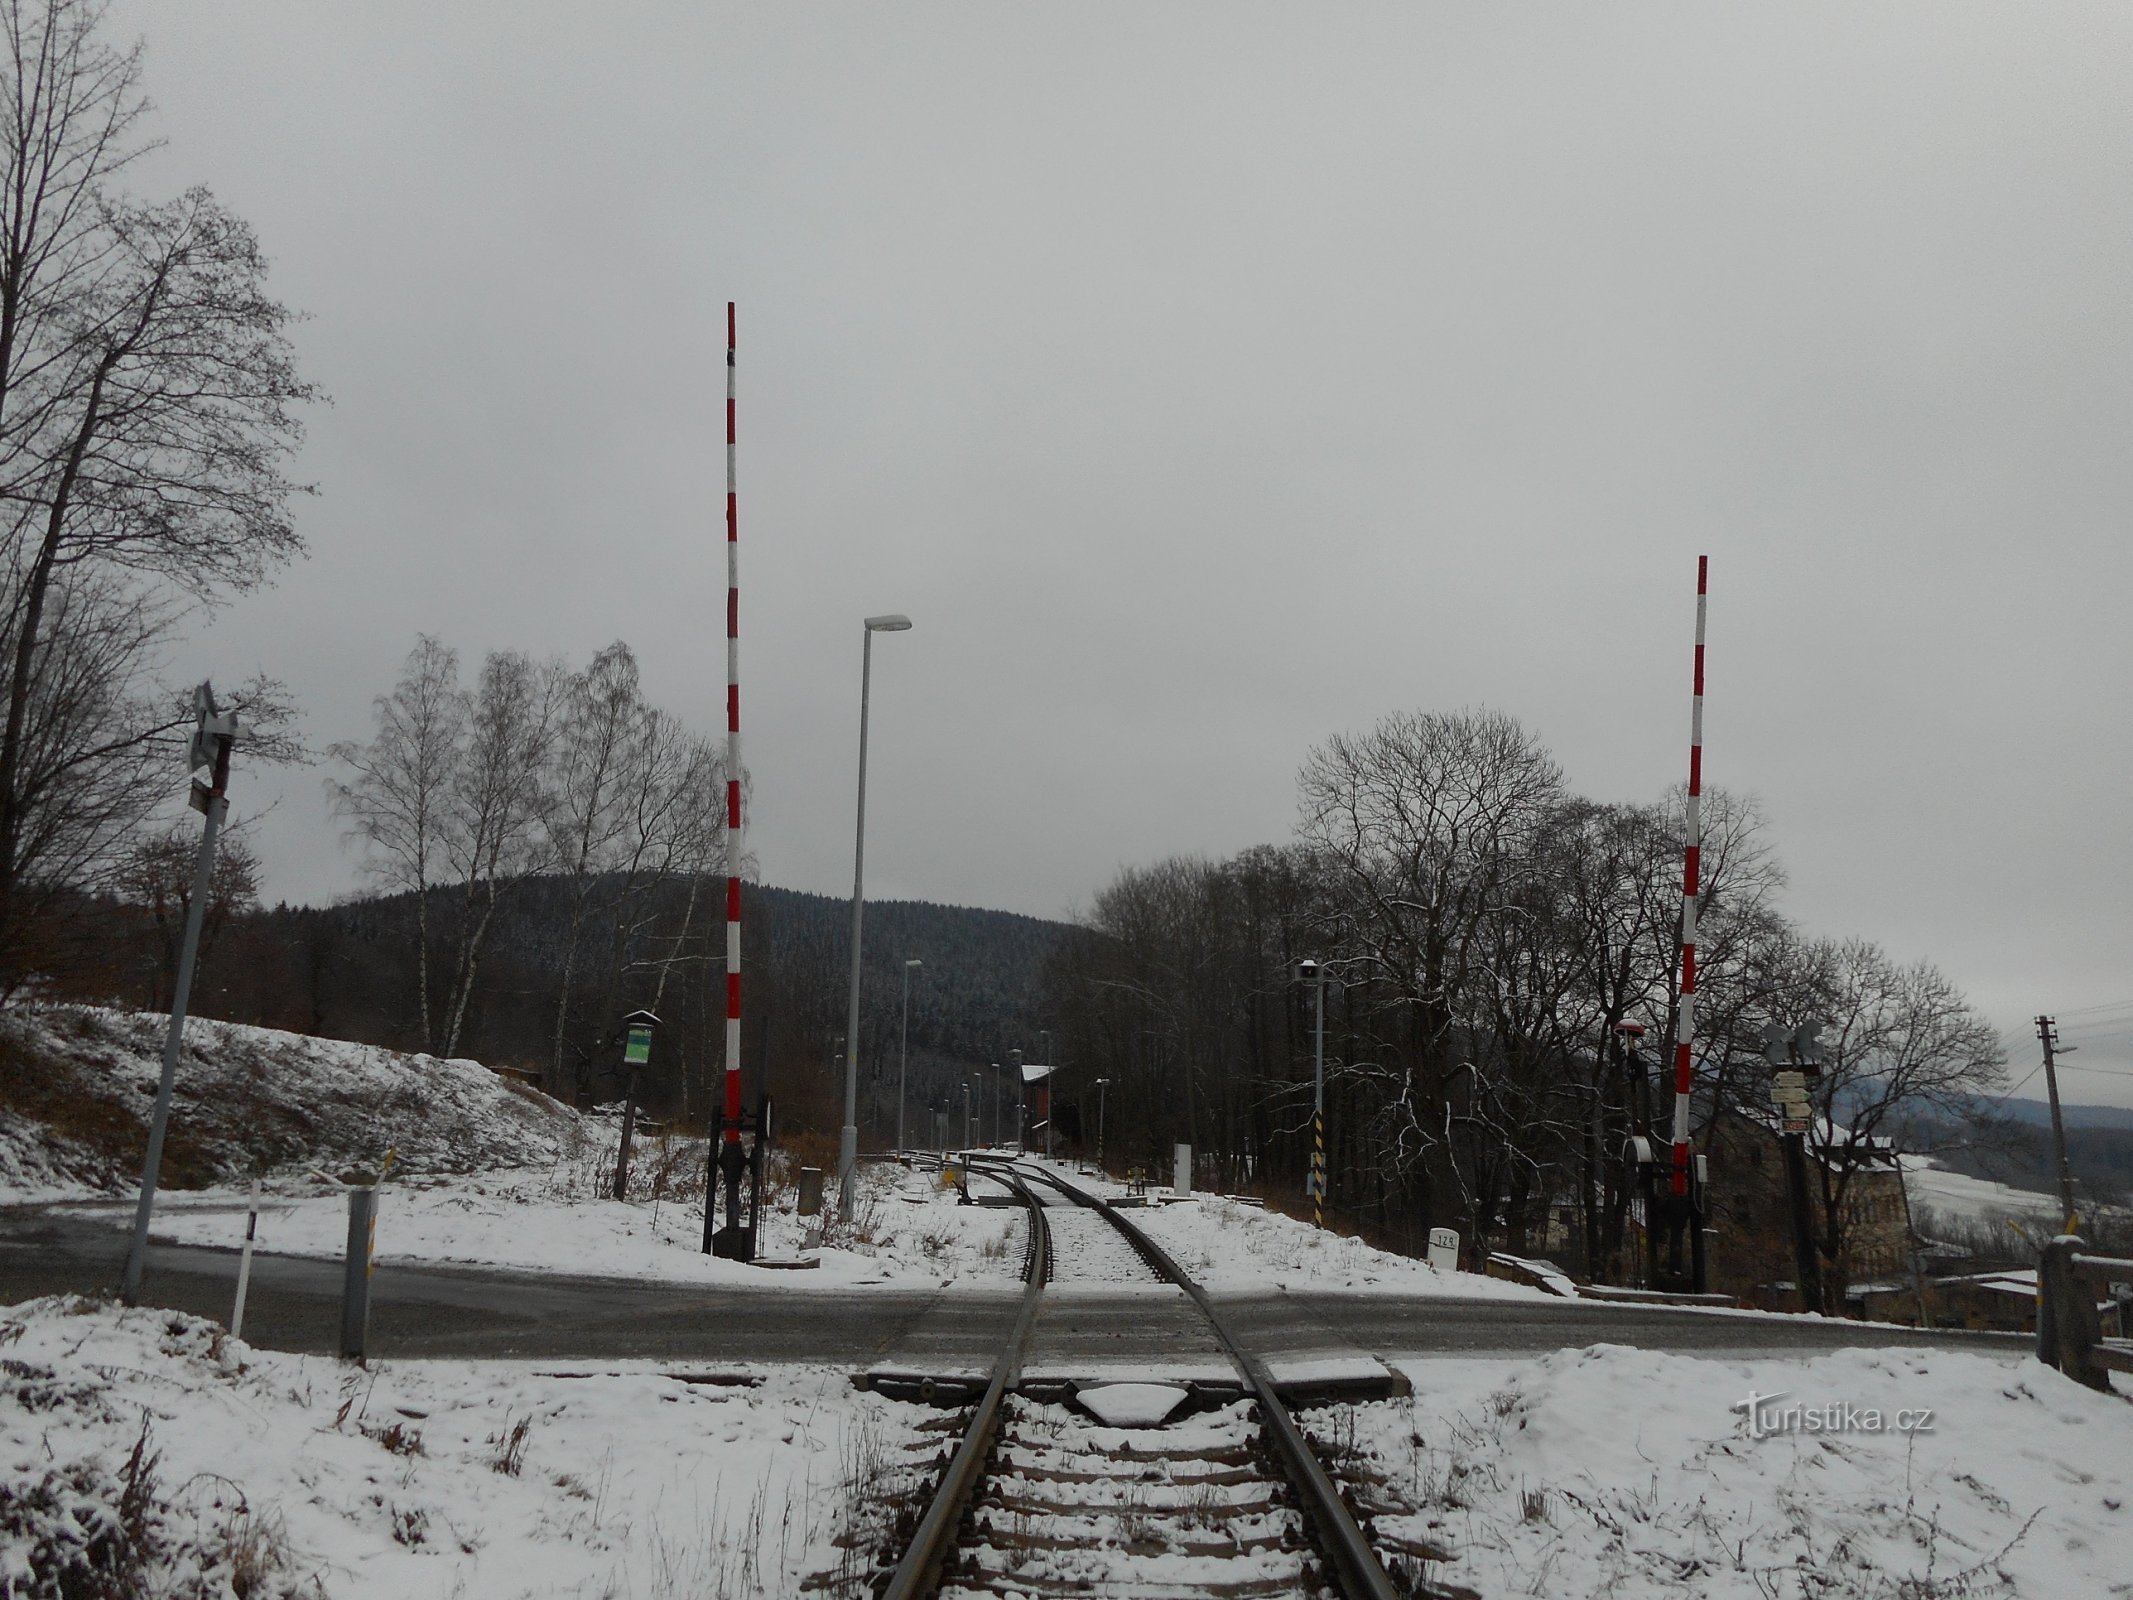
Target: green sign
point(639, 1049)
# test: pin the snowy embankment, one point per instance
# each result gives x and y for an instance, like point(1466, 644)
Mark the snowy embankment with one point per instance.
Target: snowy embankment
point(144, 1453)
point(1617, 1472)
point(78, 1086)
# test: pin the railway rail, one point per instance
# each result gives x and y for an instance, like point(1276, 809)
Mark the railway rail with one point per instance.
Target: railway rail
point(1226, 1499)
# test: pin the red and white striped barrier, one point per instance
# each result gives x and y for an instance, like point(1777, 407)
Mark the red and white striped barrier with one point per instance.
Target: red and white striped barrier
point(1691, 866)
point(733, 766)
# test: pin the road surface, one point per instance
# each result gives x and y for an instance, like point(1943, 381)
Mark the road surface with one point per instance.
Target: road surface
point(294, 1304)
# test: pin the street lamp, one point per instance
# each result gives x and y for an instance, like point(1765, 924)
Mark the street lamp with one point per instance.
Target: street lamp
point(903, 1048)
point(848, 1145)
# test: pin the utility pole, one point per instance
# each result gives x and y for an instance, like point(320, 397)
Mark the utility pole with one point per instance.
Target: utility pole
point(212, 737)
point(2047, 1035)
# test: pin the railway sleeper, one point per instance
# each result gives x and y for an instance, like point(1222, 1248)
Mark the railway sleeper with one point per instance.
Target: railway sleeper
point(1129, 1504)
point(1149, 1473)
point(1294, 1578)
point(999, 1538)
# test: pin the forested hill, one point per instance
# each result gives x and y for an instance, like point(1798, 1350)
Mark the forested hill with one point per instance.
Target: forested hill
point(562, 961)
point(975, 996)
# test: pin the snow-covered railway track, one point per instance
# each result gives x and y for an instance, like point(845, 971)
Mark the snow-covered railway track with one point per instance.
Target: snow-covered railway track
point(1191, 1498)
point(1088, 1250)
point(1191, 1507)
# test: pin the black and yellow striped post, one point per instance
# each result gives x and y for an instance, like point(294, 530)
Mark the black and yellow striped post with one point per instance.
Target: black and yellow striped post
point(1315, 975)
point(1318, 1169)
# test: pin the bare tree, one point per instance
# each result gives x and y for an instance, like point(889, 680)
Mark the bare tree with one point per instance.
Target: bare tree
point(493, 834)
point(159, 876)
point(603, 713)
point(403, 784)
point(1906, 1052)
point(146, 404)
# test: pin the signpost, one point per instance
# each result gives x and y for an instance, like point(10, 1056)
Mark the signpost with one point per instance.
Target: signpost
point(1444, 1249)
point(636, 1052)
point(1796, 1053)
point(213, 734)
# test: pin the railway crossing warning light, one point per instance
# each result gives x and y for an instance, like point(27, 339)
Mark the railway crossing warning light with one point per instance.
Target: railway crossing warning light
point(1798, 1048)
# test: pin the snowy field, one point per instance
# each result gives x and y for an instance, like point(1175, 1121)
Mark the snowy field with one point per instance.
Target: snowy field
point(144, 1453)
point(1627, 1473)
point(146, 1443)
point(1941, 1193)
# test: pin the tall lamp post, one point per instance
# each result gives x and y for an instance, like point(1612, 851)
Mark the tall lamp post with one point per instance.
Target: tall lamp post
point(848, 1145)
point(903, 1051)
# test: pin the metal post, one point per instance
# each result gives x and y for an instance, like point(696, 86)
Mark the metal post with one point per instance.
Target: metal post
point(848, 1141)
point(244, 1262)
point(1807, 1264)
point(2050, 1040)
point(1102, 1085)
point(355, 1276)
point(903, 1051)
point(211, 801)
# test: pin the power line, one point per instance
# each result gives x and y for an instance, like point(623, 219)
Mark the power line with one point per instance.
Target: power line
point(2112, 1005)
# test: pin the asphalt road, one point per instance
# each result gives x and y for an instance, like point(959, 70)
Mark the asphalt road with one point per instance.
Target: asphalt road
point(294, 1304)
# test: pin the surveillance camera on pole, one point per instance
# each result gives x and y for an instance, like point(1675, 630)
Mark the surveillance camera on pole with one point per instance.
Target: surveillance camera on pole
point(214, 732)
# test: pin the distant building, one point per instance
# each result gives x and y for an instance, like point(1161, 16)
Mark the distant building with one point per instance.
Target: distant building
point(1750, 1212)
point(1036, 1107)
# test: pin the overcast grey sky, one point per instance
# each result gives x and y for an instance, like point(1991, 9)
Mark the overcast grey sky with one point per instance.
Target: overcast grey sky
point(1205, 379)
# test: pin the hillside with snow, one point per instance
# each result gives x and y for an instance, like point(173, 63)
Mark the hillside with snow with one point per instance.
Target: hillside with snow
point(78, 1085)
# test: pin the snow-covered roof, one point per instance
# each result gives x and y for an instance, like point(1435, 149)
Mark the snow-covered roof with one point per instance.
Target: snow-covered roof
point(1867, 1149)
point(1034, 1074)
point(2014, 1280)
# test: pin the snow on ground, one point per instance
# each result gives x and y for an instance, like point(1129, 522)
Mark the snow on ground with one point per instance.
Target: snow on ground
point(1620, 1472)
point(147, 1443)
point(907, 1230)
point(78, 1084)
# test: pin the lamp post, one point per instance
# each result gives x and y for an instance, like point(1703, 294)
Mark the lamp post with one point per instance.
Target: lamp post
point(1100, 1085)
point(848, 1145)
point(903, 1051)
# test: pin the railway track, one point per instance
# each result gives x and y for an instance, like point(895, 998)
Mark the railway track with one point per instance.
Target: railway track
point(1133, 1491)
